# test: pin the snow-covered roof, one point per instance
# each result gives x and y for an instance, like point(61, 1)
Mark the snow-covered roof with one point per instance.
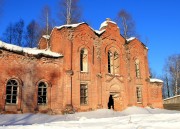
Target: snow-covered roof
point(46, 36)
point(69, 25)
point(99, 32)
point(155, 80)
point(105, 23)
point(130, 39)
point(31, 51)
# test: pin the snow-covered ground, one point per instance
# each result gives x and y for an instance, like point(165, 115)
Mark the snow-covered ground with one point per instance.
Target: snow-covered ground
point(131, 118)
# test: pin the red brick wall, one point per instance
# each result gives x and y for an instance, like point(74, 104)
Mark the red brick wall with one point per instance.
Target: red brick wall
point(29, 70)
point(64, 76)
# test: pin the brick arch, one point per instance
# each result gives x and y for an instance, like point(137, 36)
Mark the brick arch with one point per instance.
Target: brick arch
point(43, 80)
point(83, 46)
point(115, 88)
point(111, 46)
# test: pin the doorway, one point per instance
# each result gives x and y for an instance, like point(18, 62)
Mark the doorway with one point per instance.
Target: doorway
point(111, 102)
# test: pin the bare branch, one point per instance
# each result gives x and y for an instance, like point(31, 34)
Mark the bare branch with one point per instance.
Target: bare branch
point(126, 23)
point(69, 12)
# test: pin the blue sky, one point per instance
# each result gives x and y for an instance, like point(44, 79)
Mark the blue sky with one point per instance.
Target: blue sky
point(156, 20)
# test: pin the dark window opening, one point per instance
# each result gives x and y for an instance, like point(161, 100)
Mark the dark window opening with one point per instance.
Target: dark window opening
point(138, 93)
point(81, 59)
point(109, 62)
point(83, 94)
point(11, 91)
point(42, 93)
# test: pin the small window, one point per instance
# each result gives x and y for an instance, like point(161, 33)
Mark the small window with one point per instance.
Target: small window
point(42, 93)
point(84, 60)
point(83, 94)
point(110, 62)
point(139, 94)
point(12, 91)
point(137, 68)
point(116, 63)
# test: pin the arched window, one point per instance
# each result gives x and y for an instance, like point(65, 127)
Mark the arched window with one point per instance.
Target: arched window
point(116, 63)
point(84, 60)
point(42, 93)
point(12, 91)
point(113, 62)
point(110, 62)
point(137, 68)
point(138, 94)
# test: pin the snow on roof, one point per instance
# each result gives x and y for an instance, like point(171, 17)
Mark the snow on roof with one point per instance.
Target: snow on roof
point(32, 51)
point(130, 39)
point(46, 36)
point(99, 32)
point(70, 25)
point(156, 80)
point(105, 23)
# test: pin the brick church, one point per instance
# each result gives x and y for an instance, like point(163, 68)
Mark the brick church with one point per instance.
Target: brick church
point(76, 69)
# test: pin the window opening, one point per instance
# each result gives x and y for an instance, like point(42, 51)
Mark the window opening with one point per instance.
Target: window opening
point(83, 94)
point(137, 68)
point(12, 91)
point(139, 96)
point(84, 60)
point(42, 93)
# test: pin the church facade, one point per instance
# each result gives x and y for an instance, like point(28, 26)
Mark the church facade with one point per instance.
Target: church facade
point(76, 69)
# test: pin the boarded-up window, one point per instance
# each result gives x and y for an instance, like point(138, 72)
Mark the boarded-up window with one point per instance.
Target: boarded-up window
point(139, 94)
point(12, 91)
point(83, 94)
point(137, 68)
point(84, 60)
point(42, 93)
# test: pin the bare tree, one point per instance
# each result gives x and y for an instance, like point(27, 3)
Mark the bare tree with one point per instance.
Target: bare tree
point(46, 20)
point(172, 76)
point(166, 87)
point(32, 34)
point(69, 11)
point(14, 33)
point(126, 23)
point(8, 34)
point(18, 30)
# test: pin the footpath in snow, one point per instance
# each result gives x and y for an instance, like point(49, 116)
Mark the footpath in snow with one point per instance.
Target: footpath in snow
point(131, 118)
